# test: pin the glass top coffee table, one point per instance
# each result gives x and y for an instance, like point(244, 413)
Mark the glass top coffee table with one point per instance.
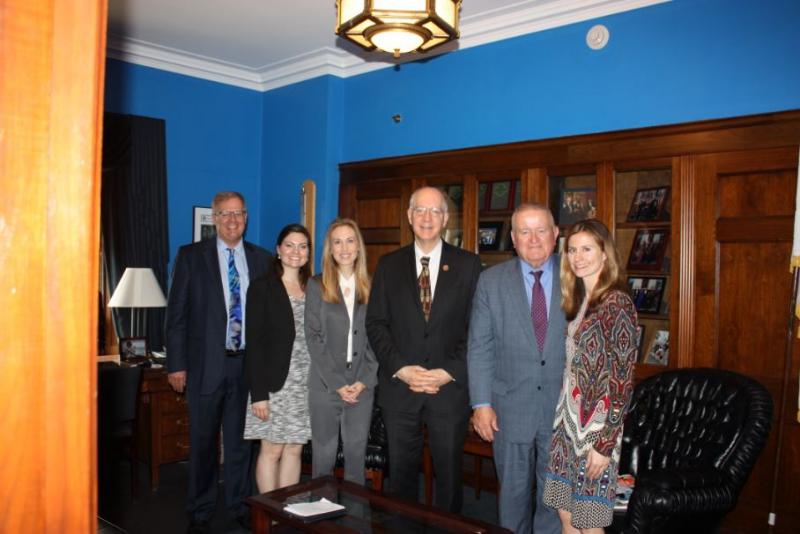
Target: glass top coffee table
point(367, 512)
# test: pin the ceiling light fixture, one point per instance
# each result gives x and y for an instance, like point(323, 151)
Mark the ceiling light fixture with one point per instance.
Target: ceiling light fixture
point(398, 26)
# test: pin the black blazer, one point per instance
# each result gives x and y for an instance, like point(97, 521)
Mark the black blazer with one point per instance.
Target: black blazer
point(269, 326)
point(197, 318)
point(400, 336)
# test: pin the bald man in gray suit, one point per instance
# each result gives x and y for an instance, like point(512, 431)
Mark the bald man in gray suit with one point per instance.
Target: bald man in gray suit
point(516, 357)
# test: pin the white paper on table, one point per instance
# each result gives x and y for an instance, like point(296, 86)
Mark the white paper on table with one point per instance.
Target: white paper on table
point(310, 509)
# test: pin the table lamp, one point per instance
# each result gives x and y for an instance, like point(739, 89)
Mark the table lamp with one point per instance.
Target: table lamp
point(138, 288)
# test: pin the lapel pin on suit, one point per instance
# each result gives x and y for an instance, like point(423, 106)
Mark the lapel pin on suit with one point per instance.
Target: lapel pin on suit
point(445, 267)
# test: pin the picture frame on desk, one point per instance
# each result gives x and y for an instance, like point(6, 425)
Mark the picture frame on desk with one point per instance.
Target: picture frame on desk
point(576, 205)
point(650, 205)
point(648, 249)
point(202, 223)
point(647, 292)
point(490, 235)
point(132, 347)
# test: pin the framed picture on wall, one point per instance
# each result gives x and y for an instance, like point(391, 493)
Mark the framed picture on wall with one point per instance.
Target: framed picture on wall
point(202, 223)
point(490, 234)
point(576, 205)
point(650, 205)
point(648, 249)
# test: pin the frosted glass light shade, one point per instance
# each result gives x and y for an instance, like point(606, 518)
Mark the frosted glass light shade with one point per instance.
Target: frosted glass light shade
point(398, 26)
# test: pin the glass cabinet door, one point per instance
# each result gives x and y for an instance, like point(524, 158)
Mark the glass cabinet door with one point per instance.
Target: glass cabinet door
point(572, 198)
point(643, 229)
point(498, 195)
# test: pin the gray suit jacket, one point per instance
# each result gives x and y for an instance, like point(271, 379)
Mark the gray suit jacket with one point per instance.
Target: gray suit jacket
point(327, 325)
point(506, 368)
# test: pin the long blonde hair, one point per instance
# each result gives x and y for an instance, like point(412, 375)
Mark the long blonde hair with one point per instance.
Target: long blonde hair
point(330, 270)
point(611, 275)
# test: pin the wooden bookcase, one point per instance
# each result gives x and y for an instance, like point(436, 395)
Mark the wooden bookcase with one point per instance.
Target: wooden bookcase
point(727, 223)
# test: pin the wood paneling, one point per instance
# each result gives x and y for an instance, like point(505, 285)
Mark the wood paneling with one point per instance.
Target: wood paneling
point(51, 79)
point(742, 133)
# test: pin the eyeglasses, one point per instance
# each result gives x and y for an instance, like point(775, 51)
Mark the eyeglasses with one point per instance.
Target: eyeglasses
point(420, 212)
point(227, 214)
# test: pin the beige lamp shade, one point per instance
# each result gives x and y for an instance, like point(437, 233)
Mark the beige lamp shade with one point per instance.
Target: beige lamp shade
point(398, 26)
point(138, 288)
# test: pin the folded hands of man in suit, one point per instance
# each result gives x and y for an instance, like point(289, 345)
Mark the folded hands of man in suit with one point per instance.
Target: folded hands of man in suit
point(421, 380)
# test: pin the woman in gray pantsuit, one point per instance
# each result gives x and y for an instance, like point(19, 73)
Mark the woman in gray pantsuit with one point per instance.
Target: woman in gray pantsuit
point(344, 369)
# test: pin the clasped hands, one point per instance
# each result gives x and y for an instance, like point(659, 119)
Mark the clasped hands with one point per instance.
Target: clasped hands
point(349, 394)
point(421, 380)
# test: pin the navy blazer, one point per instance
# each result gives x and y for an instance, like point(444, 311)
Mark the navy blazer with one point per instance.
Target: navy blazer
point(197, 318)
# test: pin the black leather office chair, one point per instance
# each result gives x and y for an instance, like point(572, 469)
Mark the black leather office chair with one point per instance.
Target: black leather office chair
point(376, 461)
point(691, 438)
point(117, 399)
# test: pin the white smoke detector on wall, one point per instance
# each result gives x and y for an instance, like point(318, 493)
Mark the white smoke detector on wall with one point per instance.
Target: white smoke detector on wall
point(597, 37)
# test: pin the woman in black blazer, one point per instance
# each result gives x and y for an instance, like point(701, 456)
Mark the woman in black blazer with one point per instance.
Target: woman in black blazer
point(277, 362)
point(343, 367)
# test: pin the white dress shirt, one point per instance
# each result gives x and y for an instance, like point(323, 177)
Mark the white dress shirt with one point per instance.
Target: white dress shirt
point(348, 287)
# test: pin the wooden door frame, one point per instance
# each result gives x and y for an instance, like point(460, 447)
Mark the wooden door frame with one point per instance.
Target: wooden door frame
point(52, 61)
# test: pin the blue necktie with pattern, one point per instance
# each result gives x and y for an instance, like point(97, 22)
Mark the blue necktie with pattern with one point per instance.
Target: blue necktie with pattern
point(235, 308)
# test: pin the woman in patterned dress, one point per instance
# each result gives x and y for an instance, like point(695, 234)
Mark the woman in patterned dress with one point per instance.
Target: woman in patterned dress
point(277, 362)
point(581, 478)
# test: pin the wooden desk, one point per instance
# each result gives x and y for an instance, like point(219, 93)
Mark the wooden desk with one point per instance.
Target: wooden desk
point(163, 430)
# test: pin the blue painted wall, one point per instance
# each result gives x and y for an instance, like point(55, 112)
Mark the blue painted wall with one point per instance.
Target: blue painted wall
point(686, 60)
point(682, 61)
point(213, 137)
point(302, 140)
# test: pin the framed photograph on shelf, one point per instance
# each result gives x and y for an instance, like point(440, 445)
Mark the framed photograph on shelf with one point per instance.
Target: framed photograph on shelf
point(453, 236)
point(648, 249)
point(640, 342)
point(650, 205)
point(658, 351)
point(501, 197)
point(132, 347)
point(647, 292)
point(576, 205)
point(483, 188)
point(490, 235)
point(202, 223)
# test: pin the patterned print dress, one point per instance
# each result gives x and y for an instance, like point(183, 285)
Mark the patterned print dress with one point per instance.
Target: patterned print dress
point(288, 420)
point(597, 388)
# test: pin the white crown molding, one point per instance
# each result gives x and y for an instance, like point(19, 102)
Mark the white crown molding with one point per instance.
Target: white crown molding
point(522, 18)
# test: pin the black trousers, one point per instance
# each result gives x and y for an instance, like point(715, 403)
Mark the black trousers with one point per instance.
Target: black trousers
point(226, 407)
point(446, 434)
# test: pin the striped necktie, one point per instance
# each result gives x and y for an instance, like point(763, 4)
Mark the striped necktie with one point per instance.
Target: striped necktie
point(425, 287)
